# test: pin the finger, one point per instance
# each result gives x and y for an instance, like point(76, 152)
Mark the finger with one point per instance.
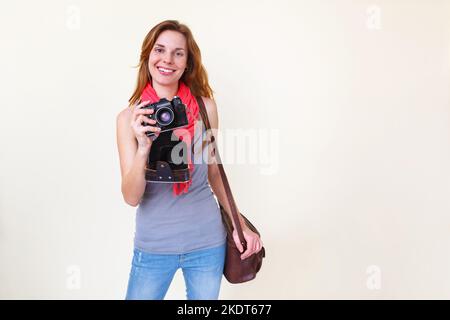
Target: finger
point(137, 123)
point(257, 244)
point(138, 106)
point(244, 254)
point(239, 246)
point(147, 120)
point(237, 241)
point(249, 250)
point(247, 253)
point(143, 103)
point(149, 128)
point(249, 247)
point(142, 113)
point(252, 244)
point(139, 120)
point(258, 247)
point(138, 112)
point(142, 120)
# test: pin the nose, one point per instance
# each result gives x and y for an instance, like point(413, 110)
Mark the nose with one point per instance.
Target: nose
point(168, 58)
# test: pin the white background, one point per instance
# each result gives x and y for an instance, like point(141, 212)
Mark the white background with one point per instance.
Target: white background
point(359, 96)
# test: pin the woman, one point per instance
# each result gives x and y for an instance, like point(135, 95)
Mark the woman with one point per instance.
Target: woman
point(177, 225)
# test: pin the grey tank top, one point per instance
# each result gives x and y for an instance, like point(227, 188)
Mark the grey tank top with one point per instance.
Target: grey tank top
point(169, 224)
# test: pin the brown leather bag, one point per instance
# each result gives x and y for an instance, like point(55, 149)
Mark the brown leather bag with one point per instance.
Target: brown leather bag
point(235, 269)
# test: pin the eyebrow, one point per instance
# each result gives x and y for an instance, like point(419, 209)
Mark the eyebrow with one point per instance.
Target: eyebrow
point(160, 45)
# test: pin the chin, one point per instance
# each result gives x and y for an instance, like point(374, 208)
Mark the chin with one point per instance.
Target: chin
point(165, 81)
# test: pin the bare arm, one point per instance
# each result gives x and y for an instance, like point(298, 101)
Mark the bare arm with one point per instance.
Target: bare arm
point(214, 177)
point(254, 243)
point(133, 155)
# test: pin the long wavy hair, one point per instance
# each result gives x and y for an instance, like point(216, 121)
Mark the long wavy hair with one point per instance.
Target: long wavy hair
point(195, 77)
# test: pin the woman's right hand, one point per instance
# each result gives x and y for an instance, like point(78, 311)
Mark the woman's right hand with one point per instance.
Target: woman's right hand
point(138, 118)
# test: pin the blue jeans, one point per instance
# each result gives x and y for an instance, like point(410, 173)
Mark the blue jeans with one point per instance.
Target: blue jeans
point(151, 274)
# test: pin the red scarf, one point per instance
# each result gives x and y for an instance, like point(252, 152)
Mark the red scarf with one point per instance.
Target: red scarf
point(185, 133)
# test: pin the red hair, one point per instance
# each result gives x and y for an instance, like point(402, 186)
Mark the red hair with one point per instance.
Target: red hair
point(195, 77)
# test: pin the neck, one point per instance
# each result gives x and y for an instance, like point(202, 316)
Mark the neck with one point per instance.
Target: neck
point(165, 91)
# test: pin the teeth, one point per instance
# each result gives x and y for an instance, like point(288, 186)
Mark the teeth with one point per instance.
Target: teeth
point(165, 70)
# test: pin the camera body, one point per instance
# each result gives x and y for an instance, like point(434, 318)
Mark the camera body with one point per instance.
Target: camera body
point(169, 115)
point(167, 161)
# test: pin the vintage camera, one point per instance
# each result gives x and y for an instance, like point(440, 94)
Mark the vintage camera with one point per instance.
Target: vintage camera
point(167, 161)
point(169, 115)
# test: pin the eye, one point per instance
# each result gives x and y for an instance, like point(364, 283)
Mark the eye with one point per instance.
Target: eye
point(180, 54)
point(159, 50)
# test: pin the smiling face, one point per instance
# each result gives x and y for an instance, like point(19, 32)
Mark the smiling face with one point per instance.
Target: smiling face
point(168, 58)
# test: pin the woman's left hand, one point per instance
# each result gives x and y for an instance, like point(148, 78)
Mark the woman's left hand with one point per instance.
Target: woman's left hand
point(254, 243)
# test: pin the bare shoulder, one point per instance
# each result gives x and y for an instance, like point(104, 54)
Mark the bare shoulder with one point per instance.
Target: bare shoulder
point(124, 115)
point(209, 103)
point(126, 141)
point(211, 109)
point(123, 121)
point(211, 106)
point(123, 124)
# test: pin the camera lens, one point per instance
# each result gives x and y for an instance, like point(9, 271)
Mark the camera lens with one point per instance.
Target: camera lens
point(164, 116)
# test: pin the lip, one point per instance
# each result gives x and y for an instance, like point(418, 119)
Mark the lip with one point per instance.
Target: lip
point(166, 74)
point(157, 67)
